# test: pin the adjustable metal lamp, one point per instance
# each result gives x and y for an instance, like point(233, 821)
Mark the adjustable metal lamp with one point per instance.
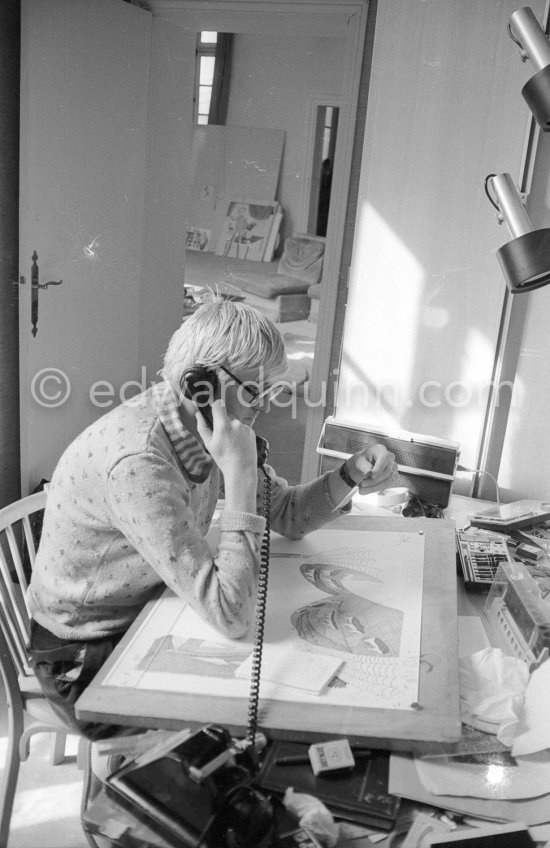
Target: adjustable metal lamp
point(527, 33)
point(524, 261)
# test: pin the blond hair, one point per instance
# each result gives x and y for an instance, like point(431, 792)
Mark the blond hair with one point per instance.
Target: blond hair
point(225, 332)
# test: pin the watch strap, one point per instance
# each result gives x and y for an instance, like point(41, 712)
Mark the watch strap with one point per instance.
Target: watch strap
point(346, 477)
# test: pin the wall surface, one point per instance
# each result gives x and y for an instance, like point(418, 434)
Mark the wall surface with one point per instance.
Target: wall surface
point(525, 465)
point(9, 238)
point(275, 78)
point(273, 81)
point(84, 119)
point(425, 293)
point(168, 146)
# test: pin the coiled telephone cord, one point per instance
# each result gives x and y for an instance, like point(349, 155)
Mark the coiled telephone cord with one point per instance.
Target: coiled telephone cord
point(261, 603)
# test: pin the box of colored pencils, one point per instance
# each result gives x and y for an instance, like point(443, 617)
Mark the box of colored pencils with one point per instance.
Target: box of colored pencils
point(479, 555)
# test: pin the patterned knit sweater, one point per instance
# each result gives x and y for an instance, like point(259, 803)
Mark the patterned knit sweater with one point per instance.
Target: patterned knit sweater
point(129, 506)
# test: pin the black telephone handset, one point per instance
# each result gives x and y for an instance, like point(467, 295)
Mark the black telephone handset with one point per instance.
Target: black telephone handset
point(201, 385)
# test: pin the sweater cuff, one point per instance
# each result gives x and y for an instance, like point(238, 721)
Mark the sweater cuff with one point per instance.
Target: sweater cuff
point(242, 521)
point(320, 499)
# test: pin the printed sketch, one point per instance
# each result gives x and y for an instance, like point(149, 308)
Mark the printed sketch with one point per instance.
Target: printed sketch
point(348, 622)
point(193, 656)
point(354, 596)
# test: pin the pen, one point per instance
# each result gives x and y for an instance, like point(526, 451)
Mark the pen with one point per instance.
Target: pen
point(302, 759)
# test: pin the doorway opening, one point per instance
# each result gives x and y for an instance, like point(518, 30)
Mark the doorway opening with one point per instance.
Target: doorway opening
point(324, 145)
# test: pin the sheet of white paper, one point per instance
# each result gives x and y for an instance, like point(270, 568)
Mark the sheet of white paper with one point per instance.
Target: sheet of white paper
point(348, 595)
point(529, 778)
point(299, 669)
point(533, 729)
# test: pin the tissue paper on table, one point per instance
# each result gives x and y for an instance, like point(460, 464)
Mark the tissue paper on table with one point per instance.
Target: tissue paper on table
point(492, 688)
point(533, 730)
point(312, 815)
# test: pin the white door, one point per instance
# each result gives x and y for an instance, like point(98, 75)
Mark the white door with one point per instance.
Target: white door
point(84, 99)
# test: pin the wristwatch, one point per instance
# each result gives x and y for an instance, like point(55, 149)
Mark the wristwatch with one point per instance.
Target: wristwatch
point(346, 477)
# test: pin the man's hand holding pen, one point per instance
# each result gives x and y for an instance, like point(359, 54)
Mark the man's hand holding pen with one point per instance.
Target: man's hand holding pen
point(370, 468)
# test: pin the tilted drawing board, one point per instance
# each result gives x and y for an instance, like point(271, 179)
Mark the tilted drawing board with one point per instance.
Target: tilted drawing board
point(365, 609)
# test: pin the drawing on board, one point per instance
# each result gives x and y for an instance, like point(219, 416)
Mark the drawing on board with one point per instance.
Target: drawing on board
point(353, 596)
point(356, 625)
point(193, 656)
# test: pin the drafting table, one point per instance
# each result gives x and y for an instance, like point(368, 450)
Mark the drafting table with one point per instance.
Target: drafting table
point(435, 718)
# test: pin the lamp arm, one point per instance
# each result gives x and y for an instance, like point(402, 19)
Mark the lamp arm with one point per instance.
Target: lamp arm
point(527, 33)
point(510, 204)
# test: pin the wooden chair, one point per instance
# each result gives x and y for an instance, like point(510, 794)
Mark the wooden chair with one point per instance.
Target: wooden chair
point(28, 710)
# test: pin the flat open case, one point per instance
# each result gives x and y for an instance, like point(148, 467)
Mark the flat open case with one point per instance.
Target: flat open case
point(426, 464)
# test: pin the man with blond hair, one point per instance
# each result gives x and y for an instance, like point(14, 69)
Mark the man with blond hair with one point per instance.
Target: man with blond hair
point(132, 498)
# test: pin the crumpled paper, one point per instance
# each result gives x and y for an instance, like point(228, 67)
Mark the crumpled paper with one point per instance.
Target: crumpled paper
point(312, 815)
point(533, 731)
point(492, 688)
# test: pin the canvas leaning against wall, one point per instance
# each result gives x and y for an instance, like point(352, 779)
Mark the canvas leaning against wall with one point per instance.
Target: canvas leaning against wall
point(197, 238)
point(249, 230)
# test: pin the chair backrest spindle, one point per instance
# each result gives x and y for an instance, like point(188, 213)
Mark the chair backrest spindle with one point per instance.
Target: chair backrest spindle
point(17, 547)
point(28, 709)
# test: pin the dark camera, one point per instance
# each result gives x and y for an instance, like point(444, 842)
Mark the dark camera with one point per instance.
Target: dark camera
point(201, 793)
point(205, 751)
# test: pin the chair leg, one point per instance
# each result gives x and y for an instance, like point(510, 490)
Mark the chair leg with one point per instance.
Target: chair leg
point(8, 784)
point(81, 753)
point(88, 789)
point(57, 747)
point(57, 751)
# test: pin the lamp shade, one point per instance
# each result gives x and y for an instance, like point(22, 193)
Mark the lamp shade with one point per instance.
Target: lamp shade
point(529, 35)
point(536, 93)
point(525, 261)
